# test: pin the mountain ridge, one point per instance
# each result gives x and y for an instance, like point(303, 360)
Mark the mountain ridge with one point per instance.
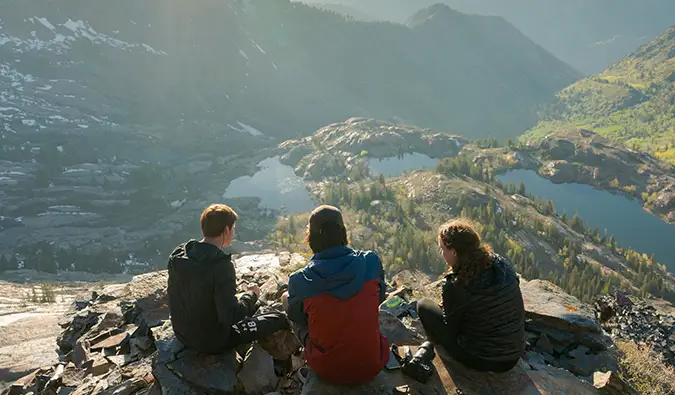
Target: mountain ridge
point(587, 35)
point(632, 102)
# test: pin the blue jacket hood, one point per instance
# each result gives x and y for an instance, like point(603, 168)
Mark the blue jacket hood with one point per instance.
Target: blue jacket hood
point(337, 271)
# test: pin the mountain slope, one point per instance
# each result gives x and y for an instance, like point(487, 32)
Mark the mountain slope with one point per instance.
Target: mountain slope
point(346, 10)
point(587, 34)
point(631, 102)
point(120, 120)
point(281, 67)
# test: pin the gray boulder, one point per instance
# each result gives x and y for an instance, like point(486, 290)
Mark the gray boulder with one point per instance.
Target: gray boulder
point(257, 375)
point(548, 305)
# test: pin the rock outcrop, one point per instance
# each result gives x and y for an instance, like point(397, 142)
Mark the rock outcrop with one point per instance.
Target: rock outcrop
point(337, 149)
point(562, 332)
point(121, 342)
point(630, 318)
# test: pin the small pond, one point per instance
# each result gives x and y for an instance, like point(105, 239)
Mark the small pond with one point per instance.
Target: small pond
point(630, 224)
point(395, 166)
point(276, 185)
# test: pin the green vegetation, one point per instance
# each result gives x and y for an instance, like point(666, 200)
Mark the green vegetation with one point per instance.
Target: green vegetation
point(383, 217)
point(43, 294)
point(631, 103)
point(643, 369)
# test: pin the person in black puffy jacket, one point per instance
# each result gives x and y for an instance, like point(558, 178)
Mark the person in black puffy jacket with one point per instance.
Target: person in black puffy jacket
point(205, 313)
point(481, 323)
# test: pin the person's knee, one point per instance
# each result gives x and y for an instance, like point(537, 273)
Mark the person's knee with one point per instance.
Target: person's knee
point(425, 306)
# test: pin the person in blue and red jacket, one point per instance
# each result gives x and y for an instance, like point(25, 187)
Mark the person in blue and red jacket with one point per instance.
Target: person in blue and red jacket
point(334, 304)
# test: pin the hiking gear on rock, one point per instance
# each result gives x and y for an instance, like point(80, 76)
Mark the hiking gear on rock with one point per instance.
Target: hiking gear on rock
point(202, 301)
point(336, 297)
point(420, 366)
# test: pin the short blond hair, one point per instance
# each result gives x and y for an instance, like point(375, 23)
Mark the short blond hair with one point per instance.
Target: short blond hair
point(216, 218)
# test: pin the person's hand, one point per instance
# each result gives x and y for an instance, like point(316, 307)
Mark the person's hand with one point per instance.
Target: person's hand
point(254, 289)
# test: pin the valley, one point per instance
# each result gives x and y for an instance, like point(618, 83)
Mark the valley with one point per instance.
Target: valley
point(120, 121)
point(116, 130)
point(398, 216)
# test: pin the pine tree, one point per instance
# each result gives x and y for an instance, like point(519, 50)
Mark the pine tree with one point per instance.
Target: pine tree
point(521, 188)
point(576, 223)
point(291, 225)
point(4, 264)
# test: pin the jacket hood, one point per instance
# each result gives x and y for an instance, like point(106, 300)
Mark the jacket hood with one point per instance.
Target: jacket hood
point(198, 251)
point(495, 278)
point(338, 271)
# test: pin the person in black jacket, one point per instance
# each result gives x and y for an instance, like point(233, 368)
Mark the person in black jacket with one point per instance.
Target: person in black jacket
point(205, 313)
point(481, 323)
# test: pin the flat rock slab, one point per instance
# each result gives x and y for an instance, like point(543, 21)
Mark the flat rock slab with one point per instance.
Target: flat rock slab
point(552, 380)
point(257, 375)
point(397, 332)
point(210, 373)
point(548, 305)
point(449, 377)
point(381, 385)
point(169, 383)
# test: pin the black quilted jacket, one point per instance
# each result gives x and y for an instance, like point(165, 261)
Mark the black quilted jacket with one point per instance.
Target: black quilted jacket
point(487, 315)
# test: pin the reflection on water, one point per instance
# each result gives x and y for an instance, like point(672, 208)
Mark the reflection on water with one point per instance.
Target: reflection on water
point(276, 185)
point(394, 167)
point(624, 218)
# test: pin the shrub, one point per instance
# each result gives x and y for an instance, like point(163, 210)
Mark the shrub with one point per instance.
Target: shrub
point(644, 370)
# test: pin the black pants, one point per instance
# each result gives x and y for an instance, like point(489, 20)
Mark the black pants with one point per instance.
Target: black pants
point(256, 327)
point(438, 333)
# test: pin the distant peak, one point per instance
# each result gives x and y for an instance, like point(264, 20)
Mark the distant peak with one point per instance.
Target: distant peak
point(438, 11)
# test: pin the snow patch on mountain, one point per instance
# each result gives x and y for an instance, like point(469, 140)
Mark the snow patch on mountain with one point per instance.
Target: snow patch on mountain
point(250, 129)
point(64, 36)
point(45, 23)
point(258, 46)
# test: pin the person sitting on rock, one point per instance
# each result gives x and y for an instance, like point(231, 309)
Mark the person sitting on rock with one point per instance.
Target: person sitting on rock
point(482, 320)
point(334, 304)
point(205, 313)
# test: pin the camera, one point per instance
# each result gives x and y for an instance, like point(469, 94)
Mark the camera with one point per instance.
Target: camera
point(420, 366)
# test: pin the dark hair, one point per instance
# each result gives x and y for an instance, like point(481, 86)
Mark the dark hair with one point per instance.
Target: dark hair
point(216, 218)
point(473, 256)
point(326, 236)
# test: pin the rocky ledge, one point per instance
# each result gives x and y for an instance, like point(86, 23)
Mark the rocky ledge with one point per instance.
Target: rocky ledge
point(120, 341)
point(584, 157)
point(629, 318)
point(336, 149)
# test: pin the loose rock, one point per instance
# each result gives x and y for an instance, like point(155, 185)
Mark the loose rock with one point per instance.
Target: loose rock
point(257, 374)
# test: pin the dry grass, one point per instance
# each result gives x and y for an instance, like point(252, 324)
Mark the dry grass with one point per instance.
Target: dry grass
point(642, 368)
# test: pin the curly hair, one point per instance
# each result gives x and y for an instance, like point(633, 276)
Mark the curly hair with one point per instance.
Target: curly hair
point(473, 256)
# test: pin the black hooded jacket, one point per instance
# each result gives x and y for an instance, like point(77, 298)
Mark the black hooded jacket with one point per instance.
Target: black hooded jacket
point(202, 301)
point(487, 316)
